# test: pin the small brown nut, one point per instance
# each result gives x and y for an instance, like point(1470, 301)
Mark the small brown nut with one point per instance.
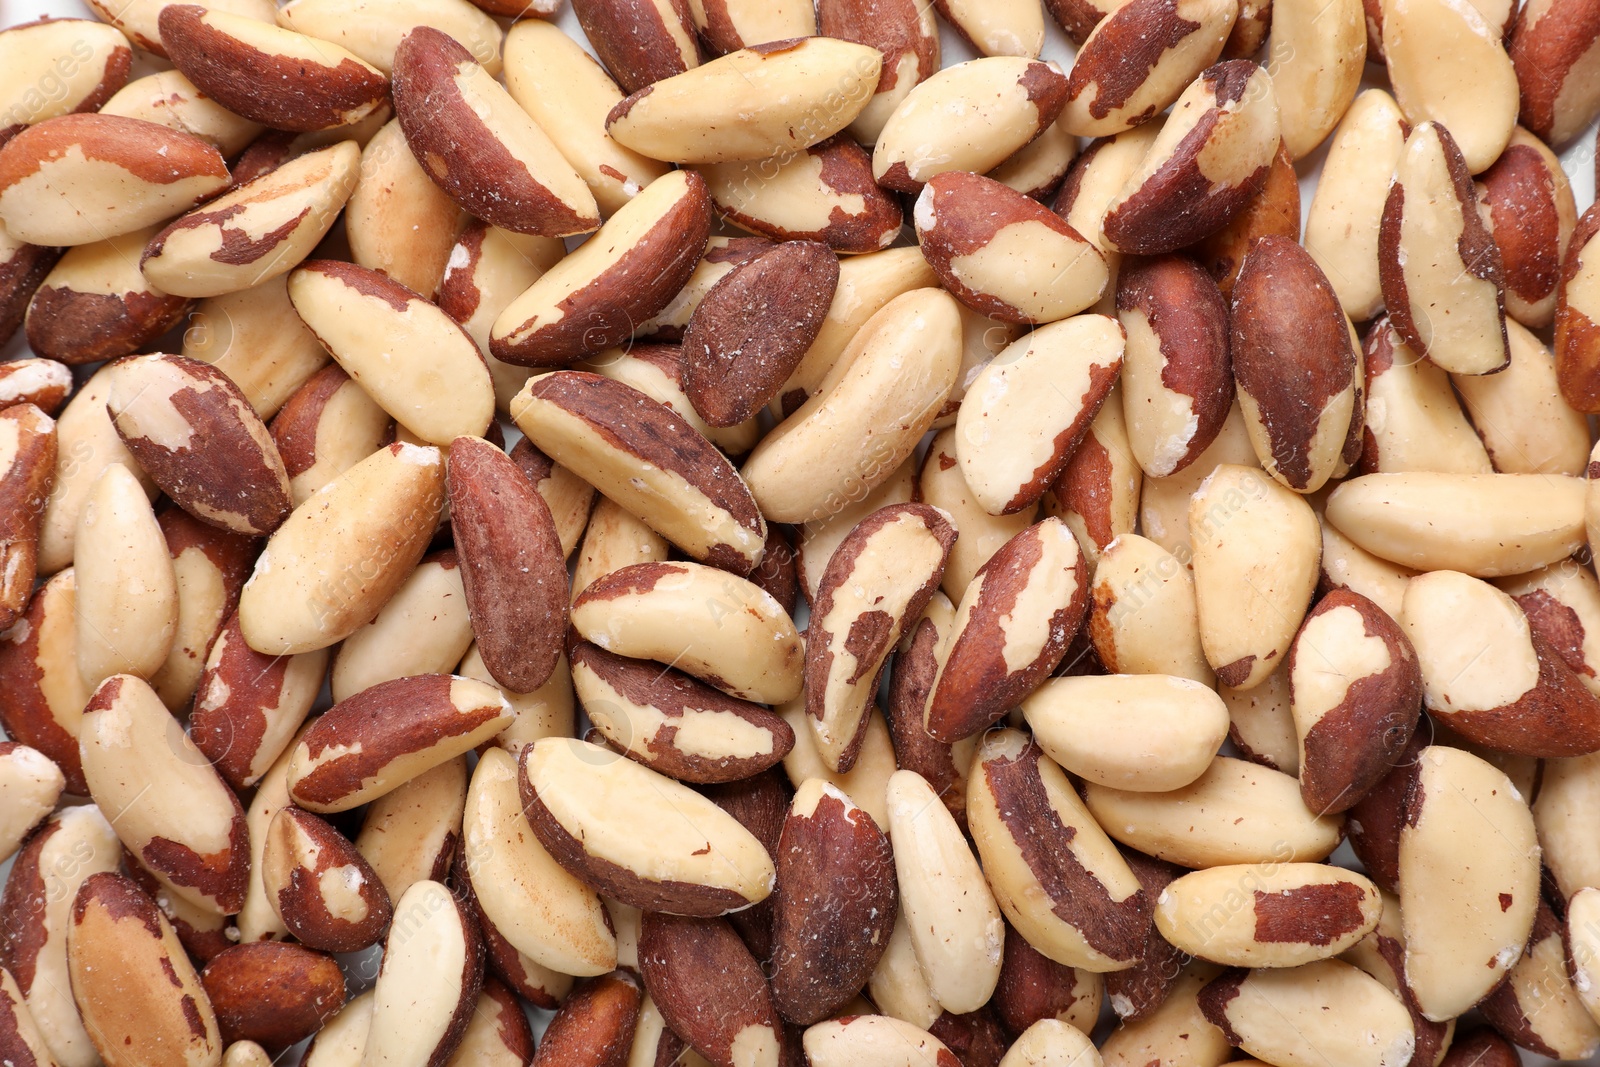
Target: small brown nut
point(267, 74)
point(709, 989)
point(1273, 211)
point(659, 371)
point(325, 892)
point(44, 383)
point(595, 1024)
point(271, 993)
point(825, 193)
point(41, 692)
point(1481, 1047)
point(1577, 341)
point(479, 146)
point(1531, 214)
point(328, 426)
point(398, 221)
point(968, 117)
point(1463, 941)
point(1204, 167)
point(648, 849)
point(95, 304)
point(28, 454)
point(1139, 59)
point(254, 338)
point(76, 179)
point(759, 102)
point(640, 41)
point(904, 32)
point(427, 990)
point(81, 62)
point(377, 740)
point(916, 666)
point(1287, 1014)
point(1034, 987)
point(135, 987)
point(31, 784)
point(1004, 254)
point(751, 330)
point(1552, 51)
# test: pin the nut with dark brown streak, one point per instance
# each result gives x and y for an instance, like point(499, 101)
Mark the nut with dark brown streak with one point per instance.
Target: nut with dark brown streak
point(272, 993)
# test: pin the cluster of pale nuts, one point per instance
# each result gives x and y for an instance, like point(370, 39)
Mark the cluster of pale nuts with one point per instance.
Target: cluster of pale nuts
point(1172, 499)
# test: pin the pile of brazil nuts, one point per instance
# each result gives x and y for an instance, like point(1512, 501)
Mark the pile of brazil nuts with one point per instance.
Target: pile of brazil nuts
point(966, 563)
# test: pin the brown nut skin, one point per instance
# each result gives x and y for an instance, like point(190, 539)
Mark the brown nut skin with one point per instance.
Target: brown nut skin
point(462, 150)
point(637, 39)
point(1532, 216)
point(538, 985)
point(1137, 992)
point(760, 803)
point(976, 1038)
point(72, 317)
point(28, 437)
point(358, 911)
point(750, 331)
point(1275, 209)
point(836, 904)
point(511, 564)
point(594, 1028)
point(23, 268)
point(709, 988)
point(272, 993)
point(1293, 362)
point(277, 90)
point(1552, 48)
point(44, 383)
point(1185, 313)
point(1375, 820)
point(1514, 1009)
point(778, 571)
point(41, 691)
point(1481, 1047)
point(916, 666)
point(1577, 337)
point(1350, 746)
point(1033, 986)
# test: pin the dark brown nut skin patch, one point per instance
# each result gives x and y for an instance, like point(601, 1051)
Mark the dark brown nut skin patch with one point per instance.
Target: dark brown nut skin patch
point(1577, 338)
point(1551, 46)
point(40, 687)
point(760, 803)
point(751, 330)
point(911, 679)
point(1481, 1047)
point(843, 176)
point(1141, 989)
point(539, 986)
point(1529, 213)
point(837, 901)
point(634, 39)
point(1351, 745)
point(23, 269)
point(354, 919)
point(511, 564)
point(279, 91)
point(707, 985)
point(230, 730)
point(79, 327)
point(1293, 362)
point(44, 383)
point(272, 993)
point(1275, 209)
point(1375, 820)
point(594, 1028)
point(1033, 986)
point(25, 484)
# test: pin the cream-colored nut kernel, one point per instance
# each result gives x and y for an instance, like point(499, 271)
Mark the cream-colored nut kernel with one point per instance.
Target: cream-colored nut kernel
point(170, 99)
point(1465, 926)
point(1519, 414)
point(254, 337)
point(1562, 603)
point(1296, 1016)
point(729, 25)
point(865, 783)
point(997, 27)
point(57, 67)
point(1487, 525)
point(423, 629)
point(1174, 1032)
point(1316, 57)
point(398, 221)
point(410, 835)
point(372, 31)
point(1539, 1006)
point(427, 990)
point(1052, 1043)
point(872, 1041)
point(1143, 617)
point(1146, 733)
point(127, 605)
point(1280, 915)
point(30, 784)
point(1583, 947)
point(954, 920)
point(1447, 65)
point(1413, 421)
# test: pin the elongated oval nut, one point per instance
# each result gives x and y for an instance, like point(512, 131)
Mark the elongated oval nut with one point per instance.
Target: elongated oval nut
point(164, 406)
point(248, 706)
point(139, 19)
point(710, 989)
point(139, 995)
point(211, 566)
point(1175, 382)
point(874, 1041)
point(188, 828)
point(1038, 169)
point(568, 95)
point(342, 1038)
point(1316, 57)
point(1007, 28)
point(1519, 522)
point(1004, 254)
point(41, 692)
point(251, 337)
point(1055, 874)
point(36, 912)
point(417, 363)
point(81, 178)
point(1531, 215)
point(1142, 613)
point(411, 833)
point(479, 146)
point(1582, 948)
point(844, 442)
point(537, 906)
point(327, 427)
point(1251, 586)
point(94, 304)
point(1420, 425)
point(23, 1042)
point(1011, 629)
point(1209, 160)
point(1146, 733)
point(716, 626)
point(256, 232)
point(275, 994)
point(1464, 928)
point(1552, 51)
point(267, 74)
point(1538, 1004)
point(316, 582)
point(1577, 344)
point(377, 740)
point(1295, 1015)
point(728, 25)
point(1236, 812)
point(423, 629)
point(127, 605)
point(954, 920)
point(905, 33)
point(427, 990)
point(1280, 916)
point(1480, 111)
point(498, 1033)
point(833, 919)
point(1545, 435)
point(674, 724)
point(1512, 689)
point(1139, 59)
point(648, 848)
point(596, 1024)
point(28, 454)
point(968, 117)
point(659, 372)
point(684, 489)
point(398, 221)
point(373, 31)
point(1441, 272)
point(800, 92)
point(1294, 362)
point(320, 886)
point(1346, 209)
point(86, 63)
point(512, 564)
point(825, 193)
point(1356, 691)
point(1052, 1043)
point(639, 41)
point(538, 984)
point(877, 584)
point(597, 296)
point(31, 784)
